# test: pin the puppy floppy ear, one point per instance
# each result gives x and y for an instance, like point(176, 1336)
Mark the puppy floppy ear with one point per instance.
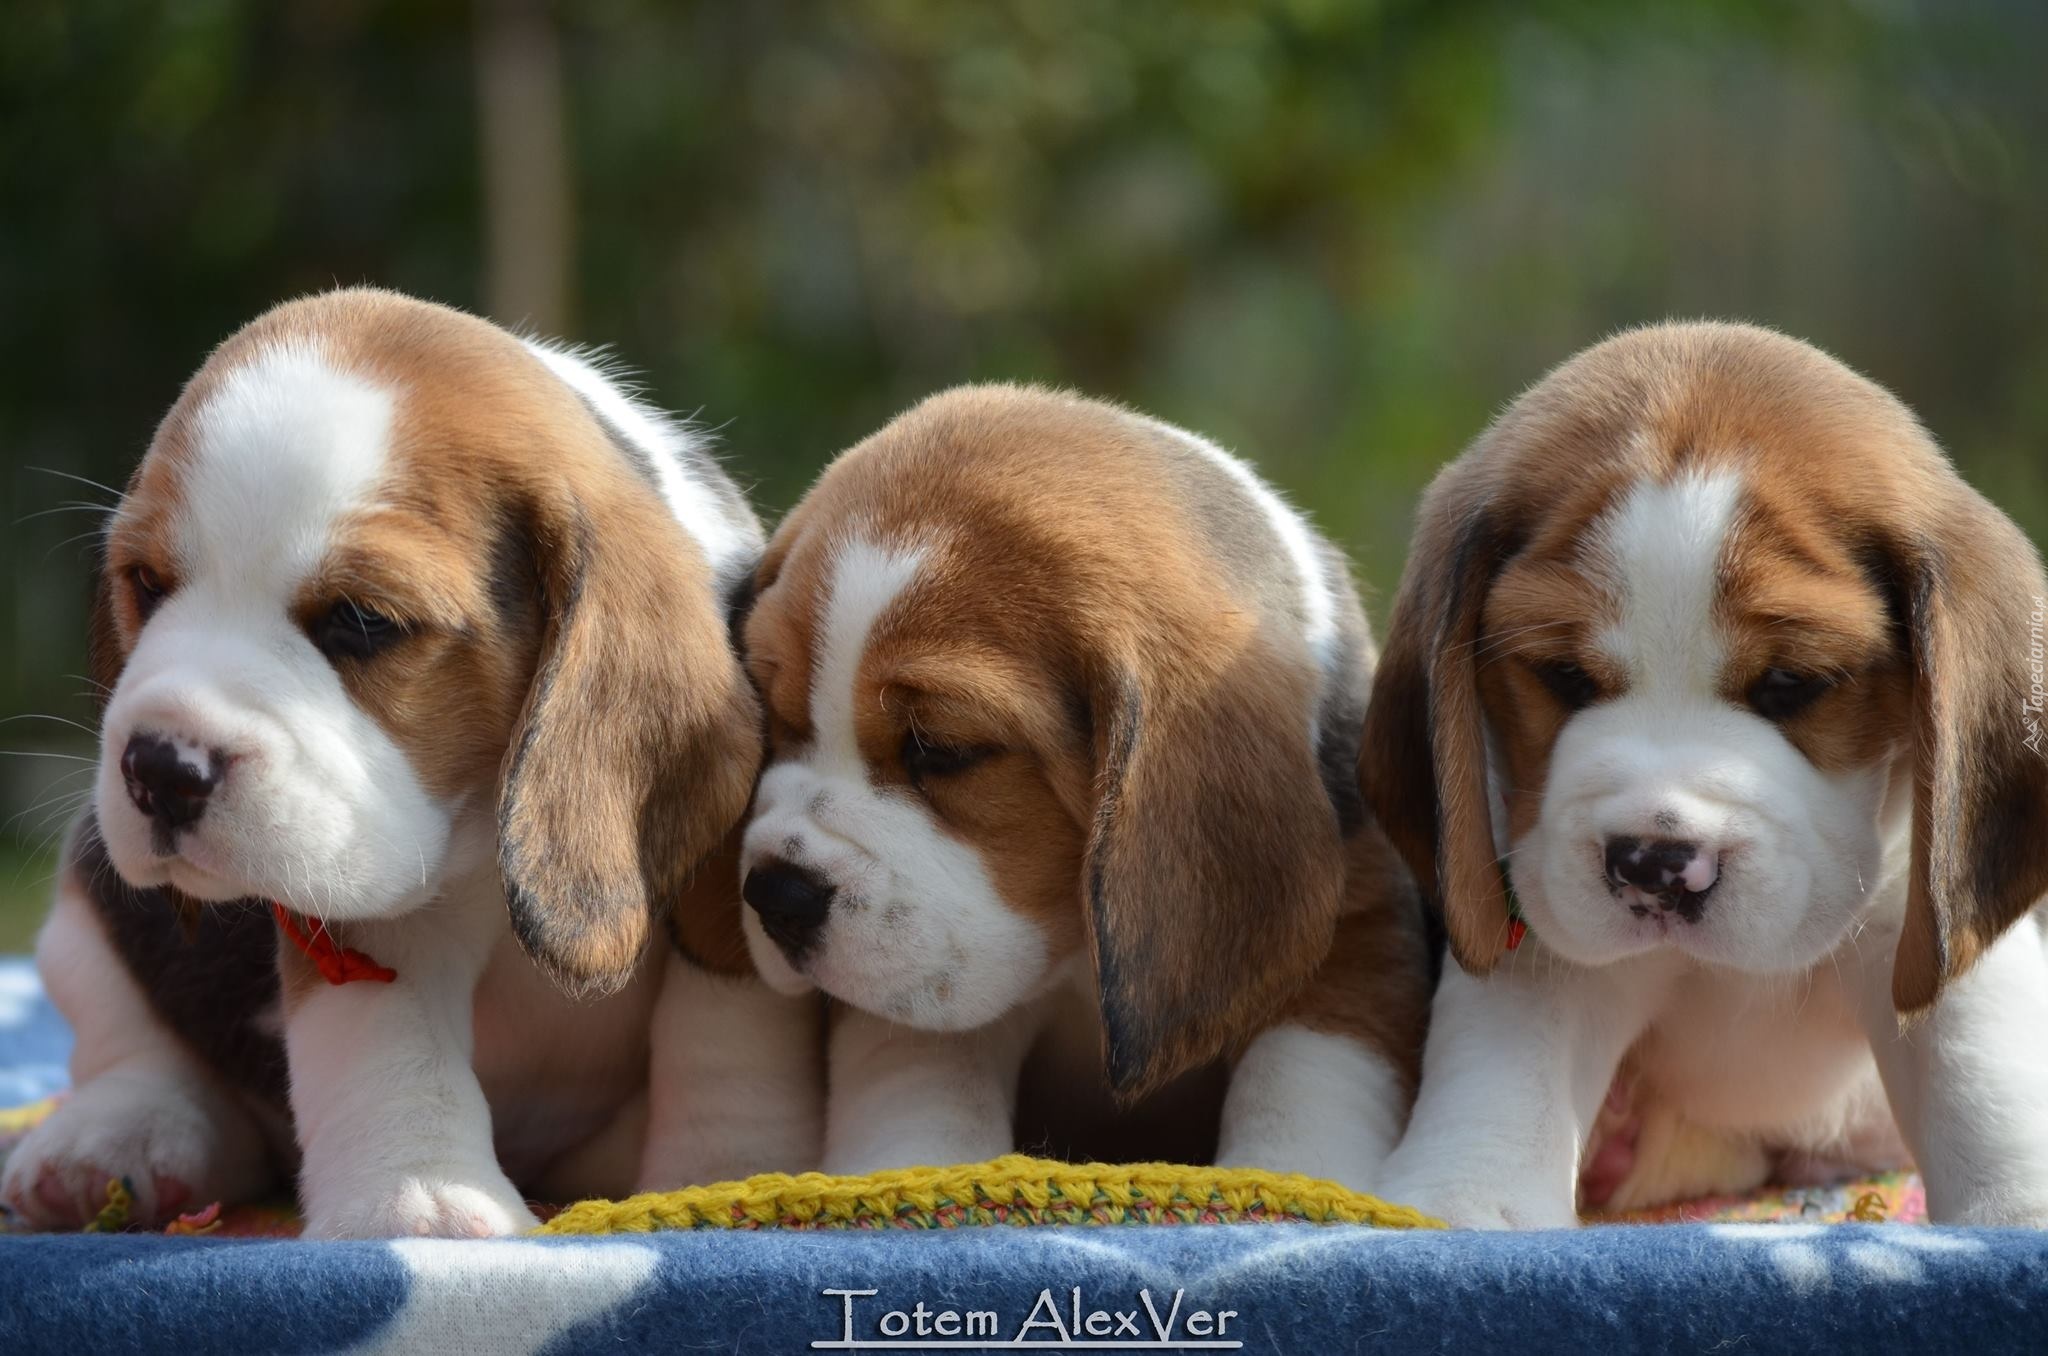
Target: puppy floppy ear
point(1423, 765)
point(1215, 864)
point(640, 738)
point(1975, 614)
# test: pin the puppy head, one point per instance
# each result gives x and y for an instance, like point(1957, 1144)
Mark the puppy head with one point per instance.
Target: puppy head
point(1017, 717)
point(1706, 638)
point(384, 600)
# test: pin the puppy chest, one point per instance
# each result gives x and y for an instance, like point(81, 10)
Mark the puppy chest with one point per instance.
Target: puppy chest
point(1763, 1054)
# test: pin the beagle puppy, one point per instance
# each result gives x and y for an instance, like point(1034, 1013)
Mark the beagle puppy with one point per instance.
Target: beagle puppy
point(411, 637)
point(1063, 713)
point(1710, 716)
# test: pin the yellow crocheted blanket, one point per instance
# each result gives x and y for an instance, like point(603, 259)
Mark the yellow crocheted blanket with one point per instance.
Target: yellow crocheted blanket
point(1013, 1190)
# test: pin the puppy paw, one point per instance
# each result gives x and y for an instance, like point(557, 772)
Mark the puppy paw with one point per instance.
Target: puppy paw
point(870, 1157)
point(1999, 1210)
point(431, 1203)
point(176, 1143)
point(1482, 1204)
point(671, 1168)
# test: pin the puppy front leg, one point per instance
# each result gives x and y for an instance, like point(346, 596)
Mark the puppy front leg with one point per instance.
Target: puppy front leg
point(392, 1122)
point(1513, 1074)
point(735, 1085)
point(1326, 1090)
point(1321, 1103)
point(902, 1098)
point(1969, 1082)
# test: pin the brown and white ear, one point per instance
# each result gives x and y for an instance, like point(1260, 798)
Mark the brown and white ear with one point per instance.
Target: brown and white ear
point(1215, 865)
point(1973, 598)
point(1423, 764)
point(640, 738)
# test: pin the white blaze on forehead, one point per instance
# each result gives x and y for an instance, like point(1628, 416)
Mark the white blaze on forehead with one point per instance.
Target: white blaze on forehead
point(1318, 606)
point(1661, 551)
point(669, 446)
point(289, 443)
point(866, 579)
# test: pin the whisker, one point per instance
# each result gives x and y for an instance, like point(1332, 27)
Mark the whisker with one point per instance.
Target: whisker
point(83, 480)
point(48, 841)
point(60, 812)
point(72, 795)
point(72, 541)
point(104, 510)
point(1497, 638)
point(61, 720)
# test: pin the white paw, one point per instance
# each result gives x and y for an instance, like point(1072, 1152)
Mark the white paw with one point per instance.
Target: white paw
point(861, 1160)
point(451, 1202)
point(178, 1144)
point(668, 1167)
point(1998, 1210)
point(1487, 1203)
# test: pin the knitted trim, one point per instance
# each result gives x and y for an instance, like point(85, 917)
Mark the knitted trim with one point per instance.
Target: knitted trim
point(1013, 1190)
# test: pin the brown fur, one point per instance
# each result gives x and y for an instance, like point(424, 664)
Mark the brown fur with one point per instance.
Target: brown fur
point(705, 924)
point(563, 638)
point(1150, 792)
point(1374, 986)
point(1858, 549)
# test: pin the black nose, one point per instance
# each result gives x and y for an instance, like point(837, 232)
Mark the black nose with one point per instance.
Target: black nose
point(1676, 873)
point(163, 785)
point(792, 902)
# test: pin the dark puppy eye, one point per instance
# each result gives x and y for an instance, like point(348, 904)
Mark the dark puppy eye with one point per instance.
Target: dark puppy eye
point(923, 757)
point(1569, 683)
point(150, 590)
point(348, 630)
point(1781, 694)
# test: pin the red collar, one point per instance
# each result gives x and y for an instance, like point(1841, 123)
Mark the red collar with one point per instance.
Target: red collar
point(337, 964)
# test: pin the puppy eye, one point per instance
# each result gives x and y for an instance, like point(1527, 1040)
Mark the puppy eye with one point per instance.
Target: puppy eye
point(348, 630)
point(1781, 694)
point(1569, 683)
point(923, 757)
point(150, 590)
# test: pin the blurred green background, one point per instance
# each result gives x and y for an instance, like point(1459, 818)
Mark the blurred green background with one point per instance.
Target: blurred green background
point(1334, 236)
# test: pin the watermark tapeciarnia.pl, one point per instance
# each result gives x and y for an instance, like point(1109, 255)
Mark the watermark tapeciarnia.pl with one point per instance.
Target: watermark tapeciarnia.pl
point(2035, 703)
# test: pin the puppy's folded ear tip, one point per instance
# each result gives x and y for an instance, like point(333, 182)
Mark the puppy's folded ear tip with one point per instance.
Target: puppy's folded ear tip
point(587, 959)
point(1911, 1011)
point(1476, 961)
point(1129, 1073)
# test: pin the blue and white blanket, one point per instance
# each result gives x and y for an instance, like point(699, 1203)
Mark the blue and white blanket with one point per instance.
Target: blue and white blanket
point(1736, 1288)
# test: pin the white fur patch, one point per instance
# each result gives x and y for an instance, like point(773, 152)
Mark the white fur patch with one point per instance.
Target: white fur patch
point(1315, 1103)
point(866, 579)
point(726, 538)
point(1664, 545)
point(286, 446)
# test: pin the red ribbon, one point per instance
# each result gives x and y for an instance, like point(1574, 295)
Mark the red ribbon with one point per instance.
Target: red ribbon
point(337, 964)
